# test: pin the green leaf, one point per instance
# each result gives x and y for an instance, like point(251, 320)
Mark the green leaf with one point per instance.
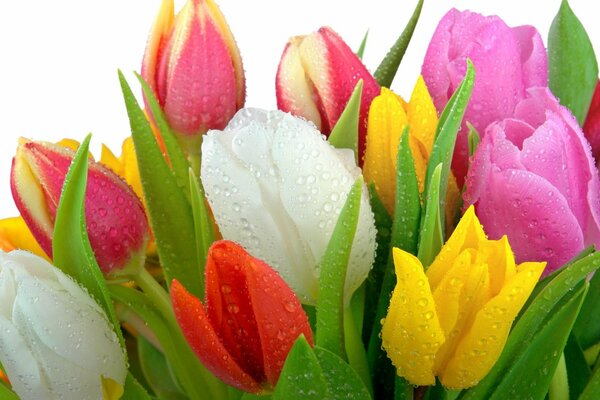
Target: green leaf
point(341, 379)
point(332, 277)
point(474, 139)
point(177, 159)
point(436, 392)
point(363, 44)
point(402, 389)
point(301, 377)
point(204, 232)
point(572, 65)
point(6, 393)
point(446, 133)
point(547, 303)
point(592, 390)
point(71, 249)
point(169, 211)
point(157, 371)
point(431, 237)
point(578, 370)
point(587, 326)
point(345, 132)
point(386, 71)
point(133, 390)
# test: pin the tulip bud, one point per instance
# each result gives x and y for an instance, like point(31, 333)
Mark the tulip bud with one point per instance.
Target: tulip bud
point(591, 127)
point(55, 341)
point(194, 67)
point(116, 222)
point(248, 323)
point(315, 79)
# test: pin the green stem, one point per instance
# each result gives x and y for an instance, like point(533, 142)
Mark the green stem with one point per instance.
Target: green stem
point(157, 294)
point(559, 387)
point(355, 350)
point(126, 315)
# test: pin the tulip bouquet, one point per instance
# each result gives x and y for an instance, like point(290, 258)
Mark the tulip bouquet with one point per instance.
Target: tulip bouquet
point(350, 245)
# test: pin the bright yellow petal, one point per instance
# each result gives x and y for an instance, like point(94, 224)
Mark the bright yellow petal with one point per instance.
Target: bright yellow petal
point(131, 171)
point(411, 332)
point(108, 158)
point(467, 234)
point(420, 158)
point(422, 115)
point(14, 234)
point(69, 143)
point(111, 390)
point(501, 261)
point(386, 121)
point(483, 344)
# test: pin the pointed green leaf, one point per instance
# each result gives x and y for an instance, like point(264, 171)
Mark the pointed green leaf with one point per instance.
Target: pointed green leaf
point(363, 44)
point(6, 393)
point(169, 211)
point(133, 390)
point(474, 139)
point(177, 160)
point(572, 65)
point(157, 371)
point(446, 133)
point(341, 379)
point(345, 132)
point(402, 389)
point(536, 316)
point(386, 71)
point(587, 326)
point(431, 237)
point(301, 377)
point(332, 276)
point(436, 392)
point(592, 390)
point(578, 371)
point(71, 249)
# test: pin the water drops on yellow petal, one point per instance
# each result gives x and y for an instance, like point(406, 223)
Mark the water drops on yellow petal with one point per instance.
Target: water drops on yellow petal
point(501, 261)
point(411, 333)
point(422, 115)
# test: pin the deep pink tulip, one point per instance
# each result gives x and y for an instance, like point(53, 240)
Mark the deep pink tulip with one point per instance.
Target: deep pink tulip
point(194, 67)
point(116, 222)
point(591, 127)
point(507, 62)
point(315, 79)
point(533, 178)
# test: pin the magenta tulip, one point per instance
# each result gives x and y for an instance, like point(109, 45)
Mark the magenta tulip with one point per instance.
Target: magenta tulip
point(533, 178)
point(507, 62)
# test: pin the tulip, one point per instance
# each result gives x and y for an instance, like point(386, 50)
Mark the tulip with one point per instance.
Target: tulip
point(388, 116)
point(55, 341)
point(277, 188)
point(14, 234)
point(125, 166)
point(116, 222)
point(315, 79)
point(193, 65)
point(533, 178)
point(453, 320)
point(248, 322)
point(498, 87)
point(591, 126)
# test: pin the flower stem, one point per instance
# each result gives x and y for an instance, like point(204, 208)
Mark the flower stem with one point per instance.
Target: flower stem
point(559, 387)
point(355, 350)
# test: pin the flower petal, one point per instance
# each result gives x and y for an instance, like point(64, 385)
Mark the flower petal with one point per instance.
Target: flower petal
point(14, 234)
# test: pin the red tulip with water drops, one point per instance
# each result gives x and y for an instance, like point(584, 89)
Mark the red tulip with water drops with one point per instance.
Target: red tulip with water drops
point(591, 127)
point(248, 323)
point(116, 222)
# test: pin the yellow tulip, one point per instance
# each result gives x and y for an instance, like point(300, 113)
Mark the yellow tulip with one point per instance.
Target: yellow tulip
point(14, 234)
point(453, 320)
point(389, 114)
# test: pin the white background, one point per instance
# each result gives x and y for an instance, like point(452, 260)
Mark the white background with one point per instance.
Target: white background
point(58, 59)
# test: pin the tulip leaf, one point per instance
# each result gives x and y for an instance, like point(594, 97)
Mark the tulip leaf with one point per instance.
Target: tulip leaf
point(402, 389)
point(332, 276)
point(431, 237)
point(473, 138)
point(592, 389)
point(6, 393)
point(157, 371)
point(587, 326)
point(203, 227)
point(572, 64)
point(363, 44)
point(445, 136)
point(533, 320)
point(436, 392)
point(72, 252)
point(340, 377)
point(170, 213)
point(578, 371)
point(133, 390)
point(345, 132)
point(386, 71)
point(177, 159)
point(301, 377)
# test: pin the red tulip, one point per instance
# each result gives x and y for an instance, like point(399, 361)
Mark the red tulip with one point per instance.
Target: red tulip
point(248, 323)
point(315, 79)
point(116, 222)
point(591, 127)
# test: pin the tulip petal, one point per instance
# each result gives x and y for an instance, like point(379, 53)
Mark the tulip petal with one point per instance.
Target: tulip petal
point(161, 28)
point(14, 234)
point(533, 56)
point(500, 260)
point(422, 115)
point(411, 332)
point(591, 127)
point(204, 341)
point(483, 343)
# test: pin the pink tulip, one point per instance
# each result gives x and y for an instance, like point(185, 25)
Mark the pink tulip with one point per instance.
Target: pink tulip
point(315, 79)
point(507, 62)
point(533, 178)
point(591, 127)
point(116, 222)
point(194, 67)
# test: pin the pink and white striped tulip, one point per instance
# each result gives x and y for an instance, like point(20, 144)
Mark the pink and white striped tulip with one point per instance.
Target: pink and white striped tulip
point(116, 222)
point(193, 65)
point(315, 79)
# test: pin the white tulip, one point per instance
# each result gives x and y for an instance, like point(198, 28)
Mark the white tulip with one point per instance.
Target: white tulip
point(55, 341)
point(277, 187)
